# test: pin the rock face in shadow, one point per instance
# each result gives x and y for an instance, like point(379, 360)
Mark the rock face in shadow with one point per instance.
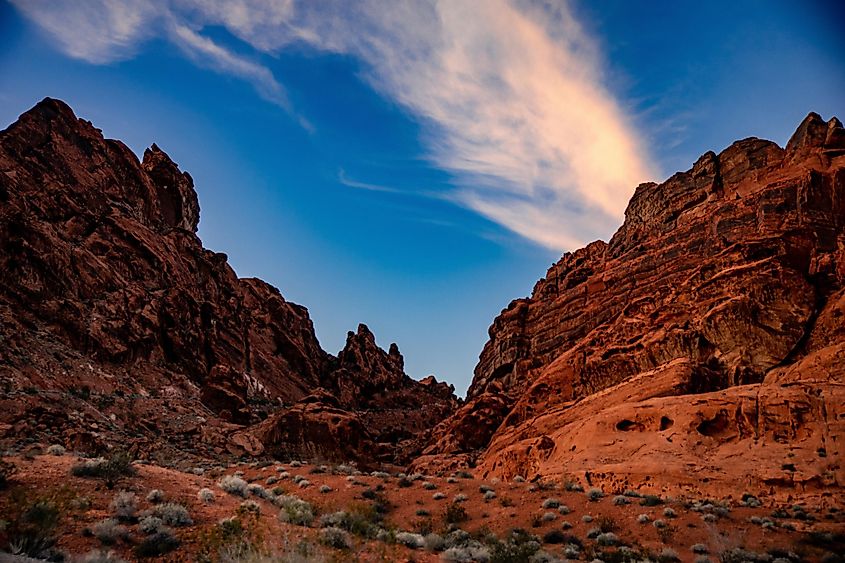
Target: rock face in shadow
point(110, 305)
point(697, 346)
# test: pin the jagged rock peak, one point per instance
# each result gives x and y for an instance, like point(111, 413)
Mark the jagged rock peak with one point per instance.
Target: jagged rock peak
point(175, 189)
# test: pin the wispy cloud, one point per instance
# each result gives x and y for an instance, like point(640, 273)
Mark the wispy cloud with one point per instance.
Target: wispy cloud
point(510, 93)
point(347, 181)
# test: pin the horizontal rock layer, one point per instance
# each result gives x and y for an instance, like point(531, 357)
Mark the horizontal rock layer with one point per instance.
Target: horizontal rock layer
point(664, 351)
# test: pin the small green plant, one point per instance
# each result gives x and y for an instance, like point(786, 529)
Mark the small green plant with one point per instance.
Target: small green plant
point(173, 514)
point(234, 485)
point(651, 500)
point(455, 513)
point(155, 496)
point(110, 469)
point(124, 505)
point(157, 544)
point(594, 494)
point(335, 537)
point(205, 495)
point(109, 531)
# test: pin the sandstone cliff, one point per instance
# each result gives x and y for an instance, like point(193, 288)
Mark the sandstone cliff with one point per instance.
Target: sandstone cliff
point(702, 345)
point(117, 325)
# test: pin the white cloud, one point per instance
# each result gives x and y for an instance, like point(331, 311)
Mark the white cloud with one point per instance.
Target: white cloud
point(510, 93)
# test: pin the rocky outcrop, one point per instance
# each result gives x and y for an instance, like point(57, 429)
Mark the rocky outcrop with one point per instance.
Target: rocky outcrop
point(670, 341)
point(110, 305)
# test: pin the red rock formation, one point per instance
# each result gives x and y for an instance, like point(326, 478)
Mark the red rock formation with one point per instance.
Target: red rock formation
point(664, 351)
point(110, 305)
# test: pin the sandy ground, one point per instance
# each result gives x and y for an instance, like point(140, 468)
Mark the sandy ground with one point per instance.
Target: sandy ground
point(516, 506)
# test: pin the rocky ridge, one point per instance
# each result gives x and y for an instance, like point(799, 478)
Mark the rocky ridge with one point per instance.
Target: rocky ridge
point(117, 326)
point(701, 347)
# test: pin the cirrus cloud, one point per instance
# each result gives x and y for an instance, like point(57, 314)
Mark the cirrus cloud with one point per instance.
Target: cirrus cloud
point(511, 94)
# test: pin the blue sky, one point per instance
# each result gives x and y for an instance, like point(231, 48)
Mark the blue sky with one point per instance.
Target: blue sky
point(416, 168)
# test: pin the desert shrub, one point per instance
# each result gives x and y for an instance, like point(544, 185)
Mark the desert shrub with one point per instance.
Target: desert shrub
point(155, 496)
point(566, 525)
point(586, 519)
point(429, 486)
point(489, 495)
point(109, 531)
point(709, 518)
point(30, 523)
point(451, 480)
point(549, 517)
point(519, 479)
point(651, 500)
point(249, 506)
point(573, 487)
point(409, 539)
point(334, 519)
point(271, 480)
point(554, 537)
point(335, 537)
point(173, 514)
point(294, 510)
point(233, 485)
point(607, 539)
point(593, 532)
point(98, 556)
point(455, 513)
point(572, 551)
point(150, 524)
point(551, 503)
point(740, 555)
point(470, 553)
point(643, 519)
point(699, 548)
point(380, 474)
point(518, 546)
point(668, 512)
point(434, 542)
point(659, 523)
point(463, 475)
point(304, 484)
point(361, 520)
point(325, 489)
point(631, 493)
point(606, 524)
point(110, 469)
point(484, 488)
point(205, 495)
point(284, 475)
point(750, 501)
point(404, 483)
point(259, 491)
point(701, 559)
point(124, 505)
point(460, 497)
point(56, 450)
point(344, 469)
point(159, 543)
point(621, 500)
point(438, 496)
point(295, 463)
point(594, 494)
